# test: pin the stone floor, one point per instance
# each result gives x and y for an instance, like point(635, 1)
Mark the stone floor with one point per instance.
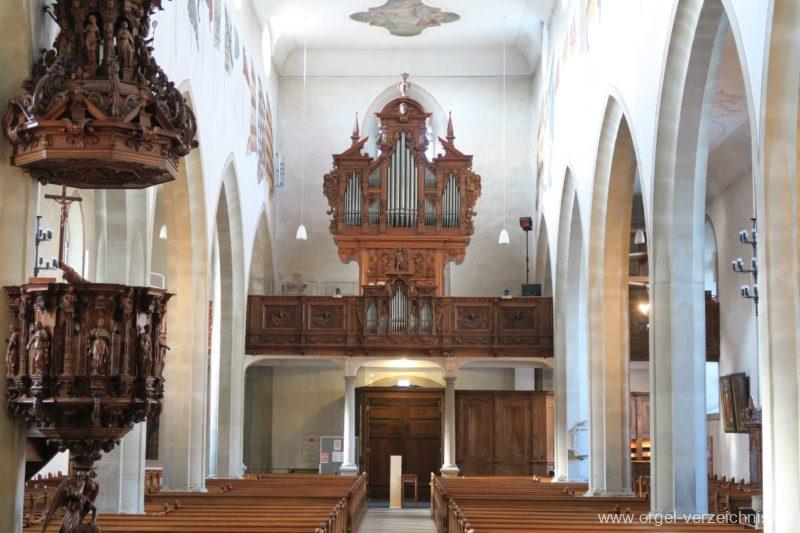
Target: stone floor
point(397, 520)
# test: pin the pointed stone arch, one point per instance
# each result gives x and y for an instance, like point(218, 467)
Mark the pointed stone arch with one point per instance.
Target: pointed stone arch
point(677, 311)
point(262, 259)
point(612, 201)
point(543, 273)
point(778, 202)
point(571, 335)
point(181, 444)
point(226, 385)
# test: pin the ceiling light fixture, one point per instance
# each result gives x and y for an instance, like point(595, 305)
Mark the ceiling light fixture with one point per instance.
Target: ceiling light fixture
point(638, 237)
point(302, 234)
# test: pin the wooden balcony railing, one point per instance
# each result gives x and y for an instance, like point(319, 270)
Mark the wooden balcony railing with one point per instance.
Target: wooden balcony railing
point(459, 326)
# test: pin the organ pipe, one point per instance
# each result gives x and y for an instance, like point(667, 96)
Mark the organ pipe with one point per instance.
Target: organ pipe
point(353, 202)
point(402, 186)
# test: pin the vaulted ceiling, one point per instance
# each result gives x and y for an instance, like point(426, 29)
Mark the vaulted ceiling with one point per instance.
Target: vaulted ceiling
point(355, 37)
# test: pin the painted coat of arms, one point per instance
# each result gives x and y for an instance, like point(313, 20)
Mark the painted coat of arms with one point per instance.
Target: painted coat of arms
point(405, 18)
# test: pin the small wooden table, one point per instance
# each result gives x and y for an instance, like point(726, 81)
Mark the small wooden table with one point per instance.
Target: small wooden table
point(409, 479)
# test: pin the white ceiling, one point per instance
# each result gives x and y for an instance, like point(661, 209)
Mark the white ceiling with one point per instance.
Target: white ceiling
point(356, 48)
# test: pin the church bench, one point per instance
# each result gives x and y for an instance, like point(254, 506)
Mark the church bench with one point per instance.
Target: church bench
point(517, 504)
point(317, 504)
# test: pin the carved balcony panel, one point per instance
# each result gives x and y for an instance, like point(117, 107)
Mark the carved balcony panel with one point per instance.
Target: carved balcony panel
point(84, 363)
point(97, 111)
point(382, 323)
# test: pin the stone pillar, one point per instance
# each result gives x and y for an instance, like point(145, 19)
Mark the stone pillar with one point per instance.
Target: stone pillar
point(120, 472)
point(16, 190)
point(349, 466)
point(121, 475)
point(450, 468)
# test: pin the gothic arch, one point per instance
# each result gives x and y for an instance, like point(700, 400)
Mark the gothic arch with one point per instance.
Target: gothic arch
point(571, 332)
point(543, 265)
point(677, 311)
point(229, 309)
point(612, 201)
point(779, 318)
point(184, 406)
point(262, 259)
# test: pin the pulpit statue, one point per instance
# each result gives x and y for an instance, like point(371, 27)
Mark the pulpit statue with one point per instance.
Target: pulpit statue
point(125, 46)
point(146, 350)
point(12, 349)
point(99, 341)
point(39, 347)
point(92, 41)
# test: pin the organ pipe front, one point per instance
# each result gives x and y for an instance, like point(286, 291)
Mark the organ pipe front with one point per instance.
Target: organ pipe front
point(401, 215)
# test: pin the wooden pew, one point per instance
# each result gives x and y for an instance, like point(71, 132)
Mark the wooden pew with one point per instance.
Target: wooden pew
point(517, 504)
point(269, 504)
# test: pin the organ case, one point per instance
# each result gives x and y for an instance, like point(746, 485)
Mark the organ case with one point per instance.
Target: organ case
point(401, 215)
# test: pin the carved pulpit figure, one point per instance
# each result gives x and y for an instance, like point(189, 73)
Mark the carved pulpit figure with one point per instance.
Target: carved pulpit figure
point(162, 360)
point(99, 342)
point(125, 46)
point(39, 348)
point(146, 350)
point(91, 41)
point(12, 349)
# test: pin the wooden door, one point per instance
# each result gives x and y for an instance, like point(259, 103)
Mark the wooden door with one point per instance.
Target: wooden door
point(504, 433)
point(400, 422)
point(513, 435)
point(475, 438)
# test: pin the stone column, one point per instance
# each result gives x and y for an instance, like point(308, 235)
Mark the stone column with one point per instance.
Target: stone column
point(450, 468)
point(120, 472)
point(349, 466)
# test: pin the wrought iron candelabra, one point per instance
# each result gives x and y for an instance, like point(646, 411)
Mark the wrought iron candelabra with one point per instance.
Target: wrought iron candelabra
point(749, 291)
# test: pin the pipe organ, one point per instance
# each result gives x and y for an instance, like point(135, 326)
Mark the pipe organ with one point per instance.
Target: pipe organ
point(401, 215)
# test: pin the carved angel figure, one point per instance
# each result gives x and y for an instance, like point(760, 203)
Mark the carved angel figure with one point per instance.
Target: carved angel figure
point(146, 350)
point(39, 347)
point(125, 46)
point(76, 495)
point(12, 349)
point(99, 342)
point(401, 259)
point(91, 41)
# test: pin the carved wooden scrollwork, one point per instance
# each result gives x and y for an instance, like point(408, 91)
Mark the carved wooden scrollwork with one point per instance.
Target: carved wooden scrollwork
point(517, 319)
point(97, 110)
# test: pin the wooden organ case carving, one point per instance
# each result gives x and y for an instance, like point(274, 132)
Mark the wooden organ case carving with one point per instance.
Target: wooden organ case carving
point(399, 215)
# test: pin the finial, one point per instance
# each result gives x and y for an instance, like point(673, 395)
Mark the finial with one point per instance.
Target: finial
point(450, 135)
point(356, 133)
point(405, 85)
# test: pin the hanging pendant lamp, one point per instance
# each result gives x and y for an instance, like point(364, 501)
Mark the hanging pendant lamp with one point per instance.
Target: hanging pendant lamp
point(302, 234)
point(504, 238)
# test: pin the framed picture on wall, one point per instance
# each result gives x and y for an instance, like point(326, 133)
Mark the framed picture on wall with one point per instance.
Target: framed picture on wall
point(727, 407)
point(740, 384)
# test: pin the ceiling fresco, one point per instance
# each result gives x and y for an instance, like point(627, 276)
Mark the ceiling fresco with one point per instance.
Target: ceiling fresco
point(405, 18)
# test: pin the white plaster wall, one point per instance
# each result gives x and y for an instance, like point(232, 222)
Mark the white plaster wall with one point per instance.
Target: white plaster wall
point(485, 379)
point(639, 376)
point(476, 104)
point(306, 400)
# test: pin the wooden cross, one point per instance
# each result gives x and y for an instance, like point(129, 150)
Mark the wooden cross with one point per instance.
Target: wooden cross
point(65, 201)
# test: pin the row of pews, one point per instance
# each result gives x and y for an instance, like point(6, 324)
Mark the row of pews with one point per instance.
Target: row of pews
point(517, 504)
point(265, 504)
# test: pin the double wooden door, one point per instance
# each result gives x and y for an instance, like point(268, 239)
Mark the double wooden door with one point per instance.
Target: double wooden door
point(504, 433)
point(399, 422)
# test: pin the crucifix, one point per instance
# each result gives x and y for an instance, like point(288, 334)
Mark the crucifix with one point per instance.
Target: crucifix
point(65, 201)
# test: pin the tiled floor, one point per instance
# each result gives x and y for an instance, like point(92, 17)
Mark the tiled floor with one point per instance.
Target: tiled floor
point(397, 520)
